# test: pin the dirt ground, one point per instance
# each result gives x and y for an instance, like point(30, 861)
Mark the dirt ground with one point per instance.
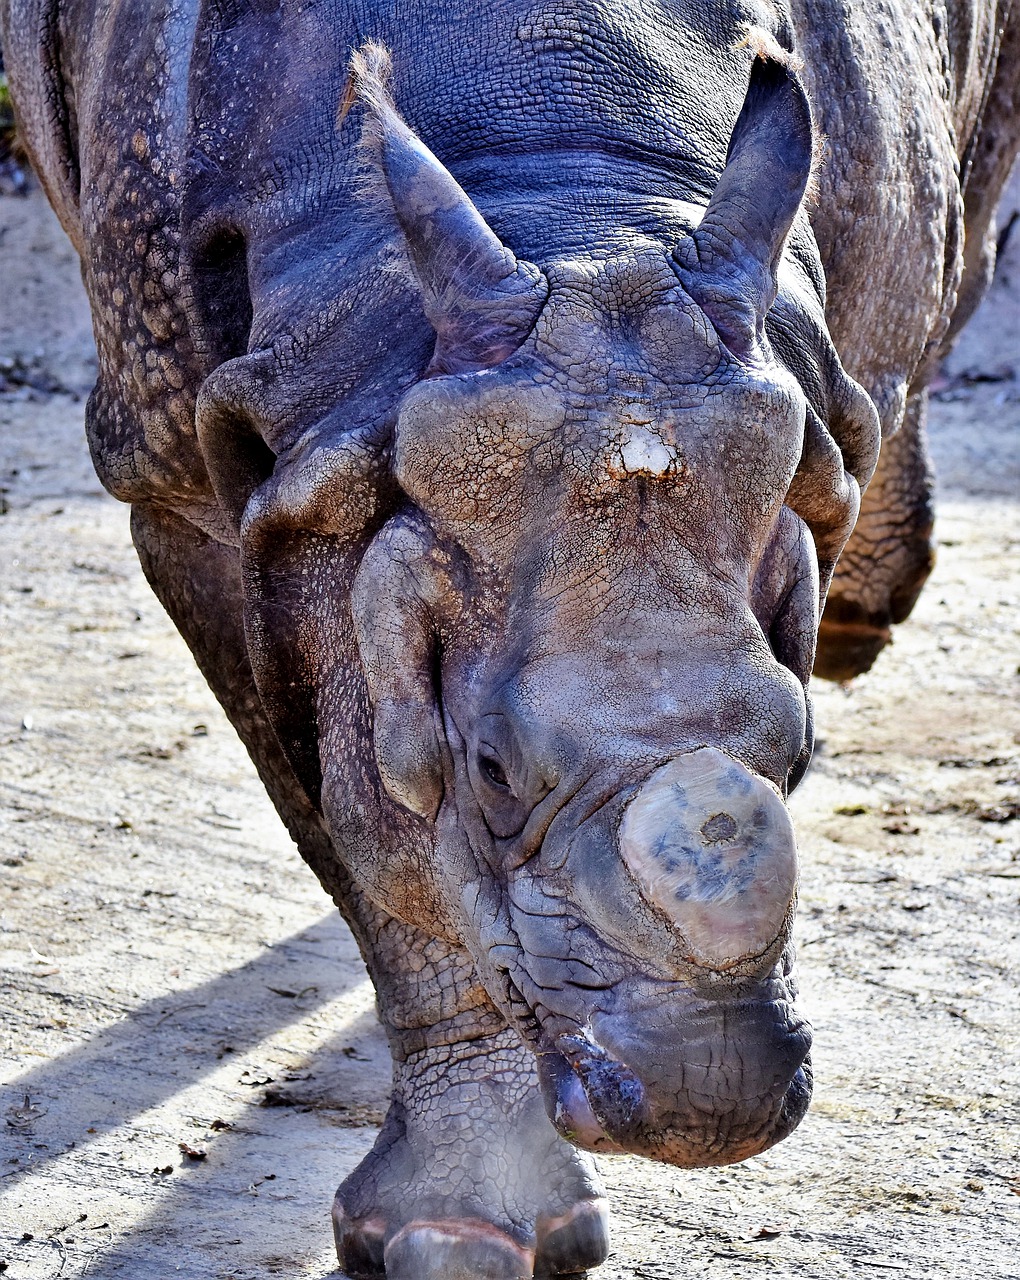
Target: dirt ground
point(189, 1057)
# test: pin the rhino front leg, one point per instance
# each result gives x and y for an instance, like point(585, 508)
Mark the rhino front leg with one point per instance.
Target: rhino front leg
point(197, 580)
point(888, 558)
point(467, 1180)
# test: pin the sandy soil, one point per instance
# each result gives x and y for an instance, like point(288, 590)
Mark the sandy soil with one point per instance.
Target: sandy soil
point(189, 1059)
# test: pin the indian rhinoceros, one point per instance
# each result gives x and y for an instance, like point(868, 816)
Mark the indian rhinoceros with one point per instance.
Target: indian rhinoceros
point(494, 384)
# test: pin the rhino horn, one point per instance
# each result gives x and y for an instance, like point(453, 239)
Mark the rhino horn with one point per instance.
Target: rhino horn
point(481, 300)
point(732, 258)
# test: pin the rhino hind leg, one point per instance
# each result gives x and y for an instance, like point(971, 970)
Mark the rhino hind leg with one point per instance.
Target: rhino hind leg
point(888, 558)
point(468, 1180)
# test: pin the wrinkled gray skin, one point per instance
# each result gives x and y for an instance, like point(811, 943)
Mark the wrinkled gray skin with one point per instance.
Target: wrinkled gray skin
point(499, 522)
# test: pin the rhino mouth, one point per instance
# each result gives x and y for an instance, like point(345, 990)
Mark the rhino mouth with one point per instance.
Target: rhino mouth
point(598, 1102)
point(698, 1084)
point(641, 1047)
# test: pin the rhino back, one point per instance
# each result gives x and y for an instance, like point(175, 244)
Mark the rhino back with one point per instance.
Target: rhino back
point(904, 95)
point(208, 131)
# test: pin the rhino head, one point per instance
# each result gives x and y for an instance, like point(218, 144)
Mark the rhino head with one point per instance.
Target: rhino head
point(581, 625)
point(587, 639)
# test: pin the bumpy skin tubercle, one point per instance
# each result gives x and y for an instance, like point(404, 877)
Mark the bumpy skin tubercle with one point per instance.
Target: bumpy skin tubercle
point(492, 442)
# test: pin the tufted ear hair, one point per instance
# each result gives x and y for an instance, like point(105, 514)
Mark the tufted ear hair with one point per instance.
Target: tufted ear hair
point(730, 262)
point(480, 299)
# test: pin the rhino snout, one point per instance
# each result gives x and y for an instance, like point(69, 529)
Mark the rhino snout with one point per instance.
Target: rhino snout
point(689, 1083)
point(711, 846)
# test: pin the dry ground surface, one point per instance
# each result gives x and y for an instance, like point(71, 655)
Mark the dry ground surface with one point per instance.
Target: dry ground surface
point(173, 980)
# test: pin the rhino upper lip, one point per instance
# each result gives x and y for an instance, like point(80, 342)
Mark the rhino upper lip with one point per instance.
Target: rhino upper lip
point(529, 1021)
point(593, 1097)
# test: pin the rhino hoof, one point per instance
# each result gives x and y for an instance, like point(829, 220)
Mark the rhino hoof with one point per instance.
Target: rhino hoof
point(573, 1242)
point(456, 1251)
point(568, 1245)
point(359, 1245)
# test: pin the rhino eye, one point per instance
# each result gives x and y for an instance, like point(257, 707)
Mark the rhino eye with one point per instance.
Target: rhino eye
point(494, 771)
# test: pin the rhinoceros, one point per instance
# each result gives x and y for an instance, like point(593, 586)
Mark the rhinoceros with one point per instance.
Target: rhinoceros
point(495, 386)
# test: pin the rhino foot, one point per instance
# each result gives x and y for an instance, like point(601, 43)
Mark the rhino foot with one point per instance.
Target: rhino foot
point(469, 1181)
point(568, 1246)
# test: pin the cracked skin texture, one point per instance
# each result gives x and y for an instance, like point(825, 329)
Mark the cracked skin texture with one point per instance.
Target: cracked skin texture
point(476, 513)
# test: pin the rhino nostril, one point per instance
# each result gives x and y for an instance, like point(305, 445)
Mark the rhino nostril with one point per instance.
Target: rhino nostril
point(719, 827)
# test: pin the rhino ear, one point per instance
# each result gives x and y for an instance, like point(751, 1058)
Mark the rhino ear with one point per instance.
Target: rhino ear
point(480, 299)
point(731, 260)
